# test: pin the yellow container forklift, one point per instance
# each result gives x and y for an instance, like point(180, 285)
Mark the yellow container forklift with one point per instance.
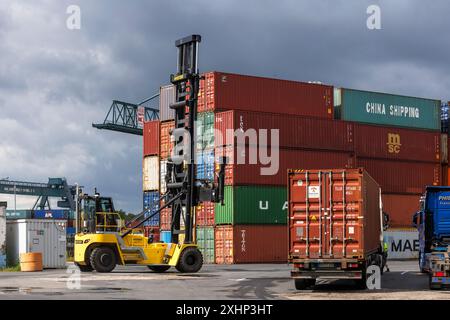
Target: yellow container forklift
point(103, 241)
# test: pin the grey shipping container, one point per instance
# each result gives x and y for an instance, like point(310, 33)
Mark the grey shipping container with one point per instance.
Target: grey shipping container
point(37, 235)
point(166, 97)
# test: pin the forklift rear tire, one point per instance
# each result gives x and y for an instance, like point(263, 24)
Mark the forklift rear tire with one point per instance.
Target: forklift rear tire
point(103, 259)
point(190, 261)
point(301, 284)
point(159, 269)
point(86, 268)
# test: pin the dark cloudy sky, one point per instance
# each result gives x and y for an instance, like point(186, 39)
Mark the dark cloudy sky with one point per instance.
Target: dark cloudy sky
point(54, 82)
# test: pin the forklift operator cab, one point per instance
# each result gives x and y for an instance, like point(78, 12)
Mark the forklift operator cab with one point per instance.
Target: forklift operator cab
point(97, 214)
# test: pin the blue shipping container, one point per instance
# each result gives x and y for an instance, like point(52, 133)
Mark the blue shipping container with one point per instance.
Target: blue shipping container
point(2, 261)
point(165, 236)
point(70, 230)
point(151, 205)
point(205, 164)
point(51, 214)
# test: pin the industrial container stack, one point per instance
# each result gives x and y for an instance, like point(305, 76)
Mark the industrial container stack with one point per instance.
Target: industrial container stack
point(251, 226)
point(2, 234)
point(150, 177)
point(396, 139)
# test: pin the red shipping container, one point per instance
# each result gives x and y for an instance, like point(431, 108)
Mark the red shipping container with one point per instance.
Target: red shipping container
point(400, 208)
point(251, 244)
point(152, 231)
point(250, 174)
point(397, 144)
point(151, 133)
point(205, 214)
point(325, 211)
point(294, 131)
point(226, 91)
point(165, 221)
point(166, 143)
point(402, 177)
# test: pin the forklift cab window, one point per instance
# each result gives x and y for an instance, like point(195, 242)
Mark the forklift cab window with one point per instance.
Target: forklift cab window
point(105, 205)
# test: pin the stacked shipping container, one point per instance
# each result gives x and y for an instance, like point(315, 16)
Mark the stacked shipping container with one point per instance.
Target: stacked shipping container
point(150, 176)
point(403, 155)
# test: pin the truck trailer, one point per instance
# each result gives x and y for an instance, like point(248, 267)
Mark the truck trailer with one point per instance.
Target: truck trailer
point(335, 225)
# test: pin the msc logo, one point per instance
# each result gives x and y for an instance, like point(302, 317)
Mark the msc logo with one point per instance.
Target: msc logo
point(393, 143)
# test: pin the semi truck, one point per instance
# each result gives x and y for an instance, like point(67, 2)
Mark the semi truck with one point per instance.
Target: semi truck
point(335, 226)
point(433, 224)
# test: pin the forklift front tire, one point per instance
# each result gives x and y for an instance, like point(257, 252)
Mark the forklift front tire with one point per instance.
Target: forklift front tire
point(159, 269)
point(103, 259)
point(190, 261)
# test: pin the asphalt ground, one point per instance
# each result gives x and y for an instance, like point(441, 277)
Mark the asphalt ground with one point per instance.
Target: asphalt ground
point(218, 282)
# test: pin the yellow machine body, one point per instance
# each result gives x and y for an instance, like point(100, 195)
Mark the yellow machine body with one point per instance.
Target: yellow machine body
point(154, 253)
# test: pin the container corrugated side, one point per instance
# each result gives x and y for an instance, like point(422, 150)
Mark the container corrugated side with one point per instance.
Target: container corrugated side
point(166, 236)
point(166, 97)
point(151, 172)
point(153, 233)
point(51, 214)
point(293, 131)
point(162, 177)
point(390, 109)
point(444, 148)
point(400, 208)
point(151, 206)
point(166, 142)
point(251, 244)
point(151, 135)
point(205, 164)
point(166, 218)
point(205, 130)
point(397, 143)
point(2, 236)
point(328, 205)
point(205, 214)
point(222, 91)
point(402, 176)
point(274, 172)
point(37, 235)
point(252, 205)
point(205, 242)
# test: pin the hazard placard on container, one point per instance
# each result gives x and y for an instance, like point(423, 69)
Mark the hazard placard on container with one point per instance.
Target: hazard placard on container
point(313, 192)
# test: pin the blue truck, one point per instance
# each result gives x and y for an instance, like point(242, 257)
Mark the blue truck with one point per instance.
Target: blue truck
point(433, 223)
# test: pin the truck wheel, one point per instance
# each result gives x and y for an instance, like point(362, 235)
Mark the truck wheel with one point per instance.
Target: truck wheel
point(190, 261)
point(301, 284)
point(103, 259)
point(159, 269)
point(86, 268)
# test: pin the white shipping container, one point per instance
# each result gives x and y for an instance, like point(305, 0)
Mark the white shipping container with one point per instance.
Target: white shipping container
point(163, 170)
point(37, 235)
point(166, 97)
point(2, 236)
point(402, 243)
point(150, 176)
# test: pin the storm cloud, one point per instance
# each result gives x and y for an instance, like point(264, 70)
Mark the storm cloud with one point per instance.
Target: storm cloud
point(55, 82)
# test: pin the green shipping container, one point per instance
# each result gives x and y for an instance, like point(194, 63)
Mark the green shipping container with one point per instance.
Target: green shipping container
point(19, 214)
point(205, 242)
point(205, 130)
point(252, 205)
point(387, 109)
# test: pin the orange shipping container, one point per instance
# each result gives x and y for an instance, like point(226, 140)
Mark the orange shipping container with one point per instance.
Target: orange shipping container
point(325, 210)
point(151, 134)
point(251, 244)
point(400, 208)
point(166, 143)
